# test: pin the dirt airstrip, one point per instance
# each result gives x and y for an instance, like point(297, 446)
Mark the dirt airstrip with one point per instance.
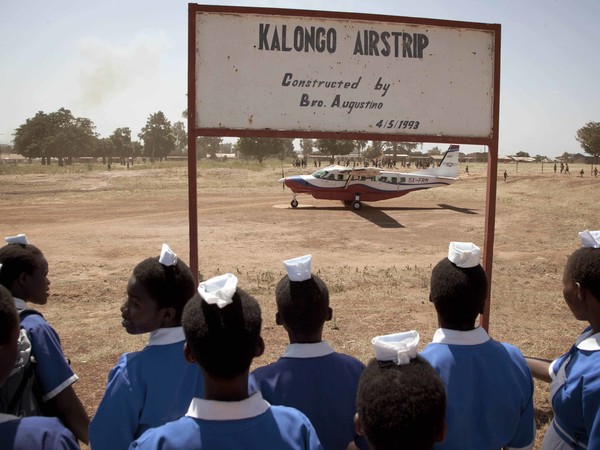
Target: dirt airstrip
point(95, 226)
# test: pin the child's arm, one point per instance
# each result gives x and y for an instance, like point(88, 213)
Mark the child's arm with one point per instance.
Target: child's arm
point(116, 421)
point(72, 413)
point(540, 368)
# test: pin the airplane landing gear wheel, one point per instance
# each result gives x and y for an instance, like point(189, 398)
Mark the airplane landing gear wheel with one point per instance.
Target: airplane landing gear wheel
point(356, 205)
point(294, 203)
point(347, 202)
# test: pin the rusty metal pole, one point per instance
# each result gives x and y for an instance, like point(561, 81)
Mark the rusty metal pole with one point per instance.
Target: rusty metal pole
point(192, 171)
point(492, 180)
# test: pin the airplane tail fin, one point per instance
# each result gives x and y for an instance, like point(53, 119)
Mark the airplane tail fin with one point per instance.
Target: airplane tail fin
point(448, 166)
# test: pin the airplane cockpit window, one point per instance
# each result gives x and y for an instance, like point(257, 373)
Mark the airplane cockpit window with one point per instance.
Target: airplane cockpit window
point(383, 179)
point(320, 173)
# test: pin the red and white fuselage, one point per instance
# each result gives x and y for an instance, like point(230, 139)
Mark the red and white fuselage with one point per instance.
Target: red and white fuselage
point(371, 184)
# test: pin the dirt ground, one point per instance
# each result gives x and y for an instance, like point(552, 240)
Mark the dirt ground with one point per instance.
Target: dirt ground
point(95, 226)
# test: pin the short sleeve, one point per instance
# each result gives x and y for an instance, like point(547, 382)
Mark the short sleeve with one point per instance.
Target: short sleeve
point(52, 370)
point(116, 420)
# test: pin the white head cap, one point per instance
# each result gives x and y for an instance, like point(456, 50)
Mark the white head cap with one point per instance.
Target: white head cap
point(463, 254)
point(399, 348)
point(298, 269)
point(18, 239)
point(219, 290)
point(590, 239)
point(167, 256)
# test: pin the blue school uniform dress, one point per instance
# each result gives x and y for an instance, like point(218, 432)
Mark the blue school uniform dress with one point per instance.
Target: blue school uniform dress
point(250, 424)
point(40, 433)
point(145, 389)
point(575, 394)
point(52, 370)
point(489, 391)
point(321, 383)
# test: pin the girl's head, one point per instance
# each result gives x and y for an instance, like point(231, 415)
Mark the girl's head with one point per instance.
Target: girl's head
point(156, 295)
point(222, 328)
point(24, 272)
point(581, 279)
point(400, 403)
point(302, 298)
point(302, 306)
point(459, 286)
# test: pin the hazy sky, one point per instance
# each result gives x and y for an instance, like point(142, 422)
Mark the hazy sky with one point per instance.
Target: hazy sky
point(118, 61)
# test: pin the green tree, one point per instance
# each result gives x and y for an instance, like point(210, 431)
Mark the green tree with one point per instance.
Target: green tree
point(208, 146)
point(335, 147)
point(158, 137)
point(588, 137)
point(58, 134)
point(434, 151)
point(566, 157)
point(121, 144)
point(400, 148)
point(105, 148)
point(260, 148)
point(138, 148)
point(374, 151)
point(522, 154)
point(226, 147)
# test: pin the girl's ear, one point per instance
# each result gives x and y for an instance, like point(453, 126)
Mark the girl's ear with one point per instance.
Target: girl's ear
point(260, 347)
point(168, 316)
point(19, 287)
point(187, 353)
point(22, 279)
point(329, 313)
point(443, 432)
point(357, 425)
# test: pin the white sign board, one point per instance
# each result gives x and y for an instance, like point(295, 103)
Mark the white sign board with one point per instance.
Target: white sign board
point(328, 74)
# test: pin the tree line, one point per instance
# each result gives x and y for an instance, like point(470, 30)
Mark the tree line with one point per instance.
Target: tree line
point(62, 136)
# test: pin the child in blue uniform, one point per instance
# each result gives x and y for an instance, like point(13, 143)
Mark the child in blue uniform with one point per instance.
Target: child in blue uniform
point(488, 384)
point(155, 385)
point(24, 273)
point(222, 330)
point(575, 376)
point(311, 376)
point(41, 433)
point(401, 400)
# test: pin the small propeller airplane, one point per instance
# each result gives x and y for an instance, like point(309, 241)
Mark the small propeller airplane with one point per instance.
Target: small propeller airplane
point(371, 184)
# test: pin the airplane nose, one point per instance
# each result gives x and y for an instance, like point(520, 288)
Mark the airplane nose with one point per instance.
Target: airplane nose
point(282, 180)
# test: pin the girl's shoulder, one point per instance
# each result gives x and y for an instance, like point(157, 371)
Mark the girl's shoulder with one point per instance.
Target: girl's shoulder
point(34, 322)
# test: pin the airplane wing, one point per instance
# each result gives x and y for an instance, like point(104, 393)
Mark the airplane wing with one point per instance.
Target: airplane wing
point(365, 172)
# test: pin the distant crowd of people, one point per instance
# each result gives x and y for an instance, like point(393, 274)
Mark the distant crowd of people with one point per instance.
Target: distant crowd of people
point(191, 387)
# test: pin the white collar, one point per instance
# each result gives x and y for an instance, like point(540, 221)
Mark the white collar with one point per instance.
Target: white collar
point(308, 350)
point(20, 304)
point(454, 337)
point(588, 341)
point(252, 406)
point(166, 336)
